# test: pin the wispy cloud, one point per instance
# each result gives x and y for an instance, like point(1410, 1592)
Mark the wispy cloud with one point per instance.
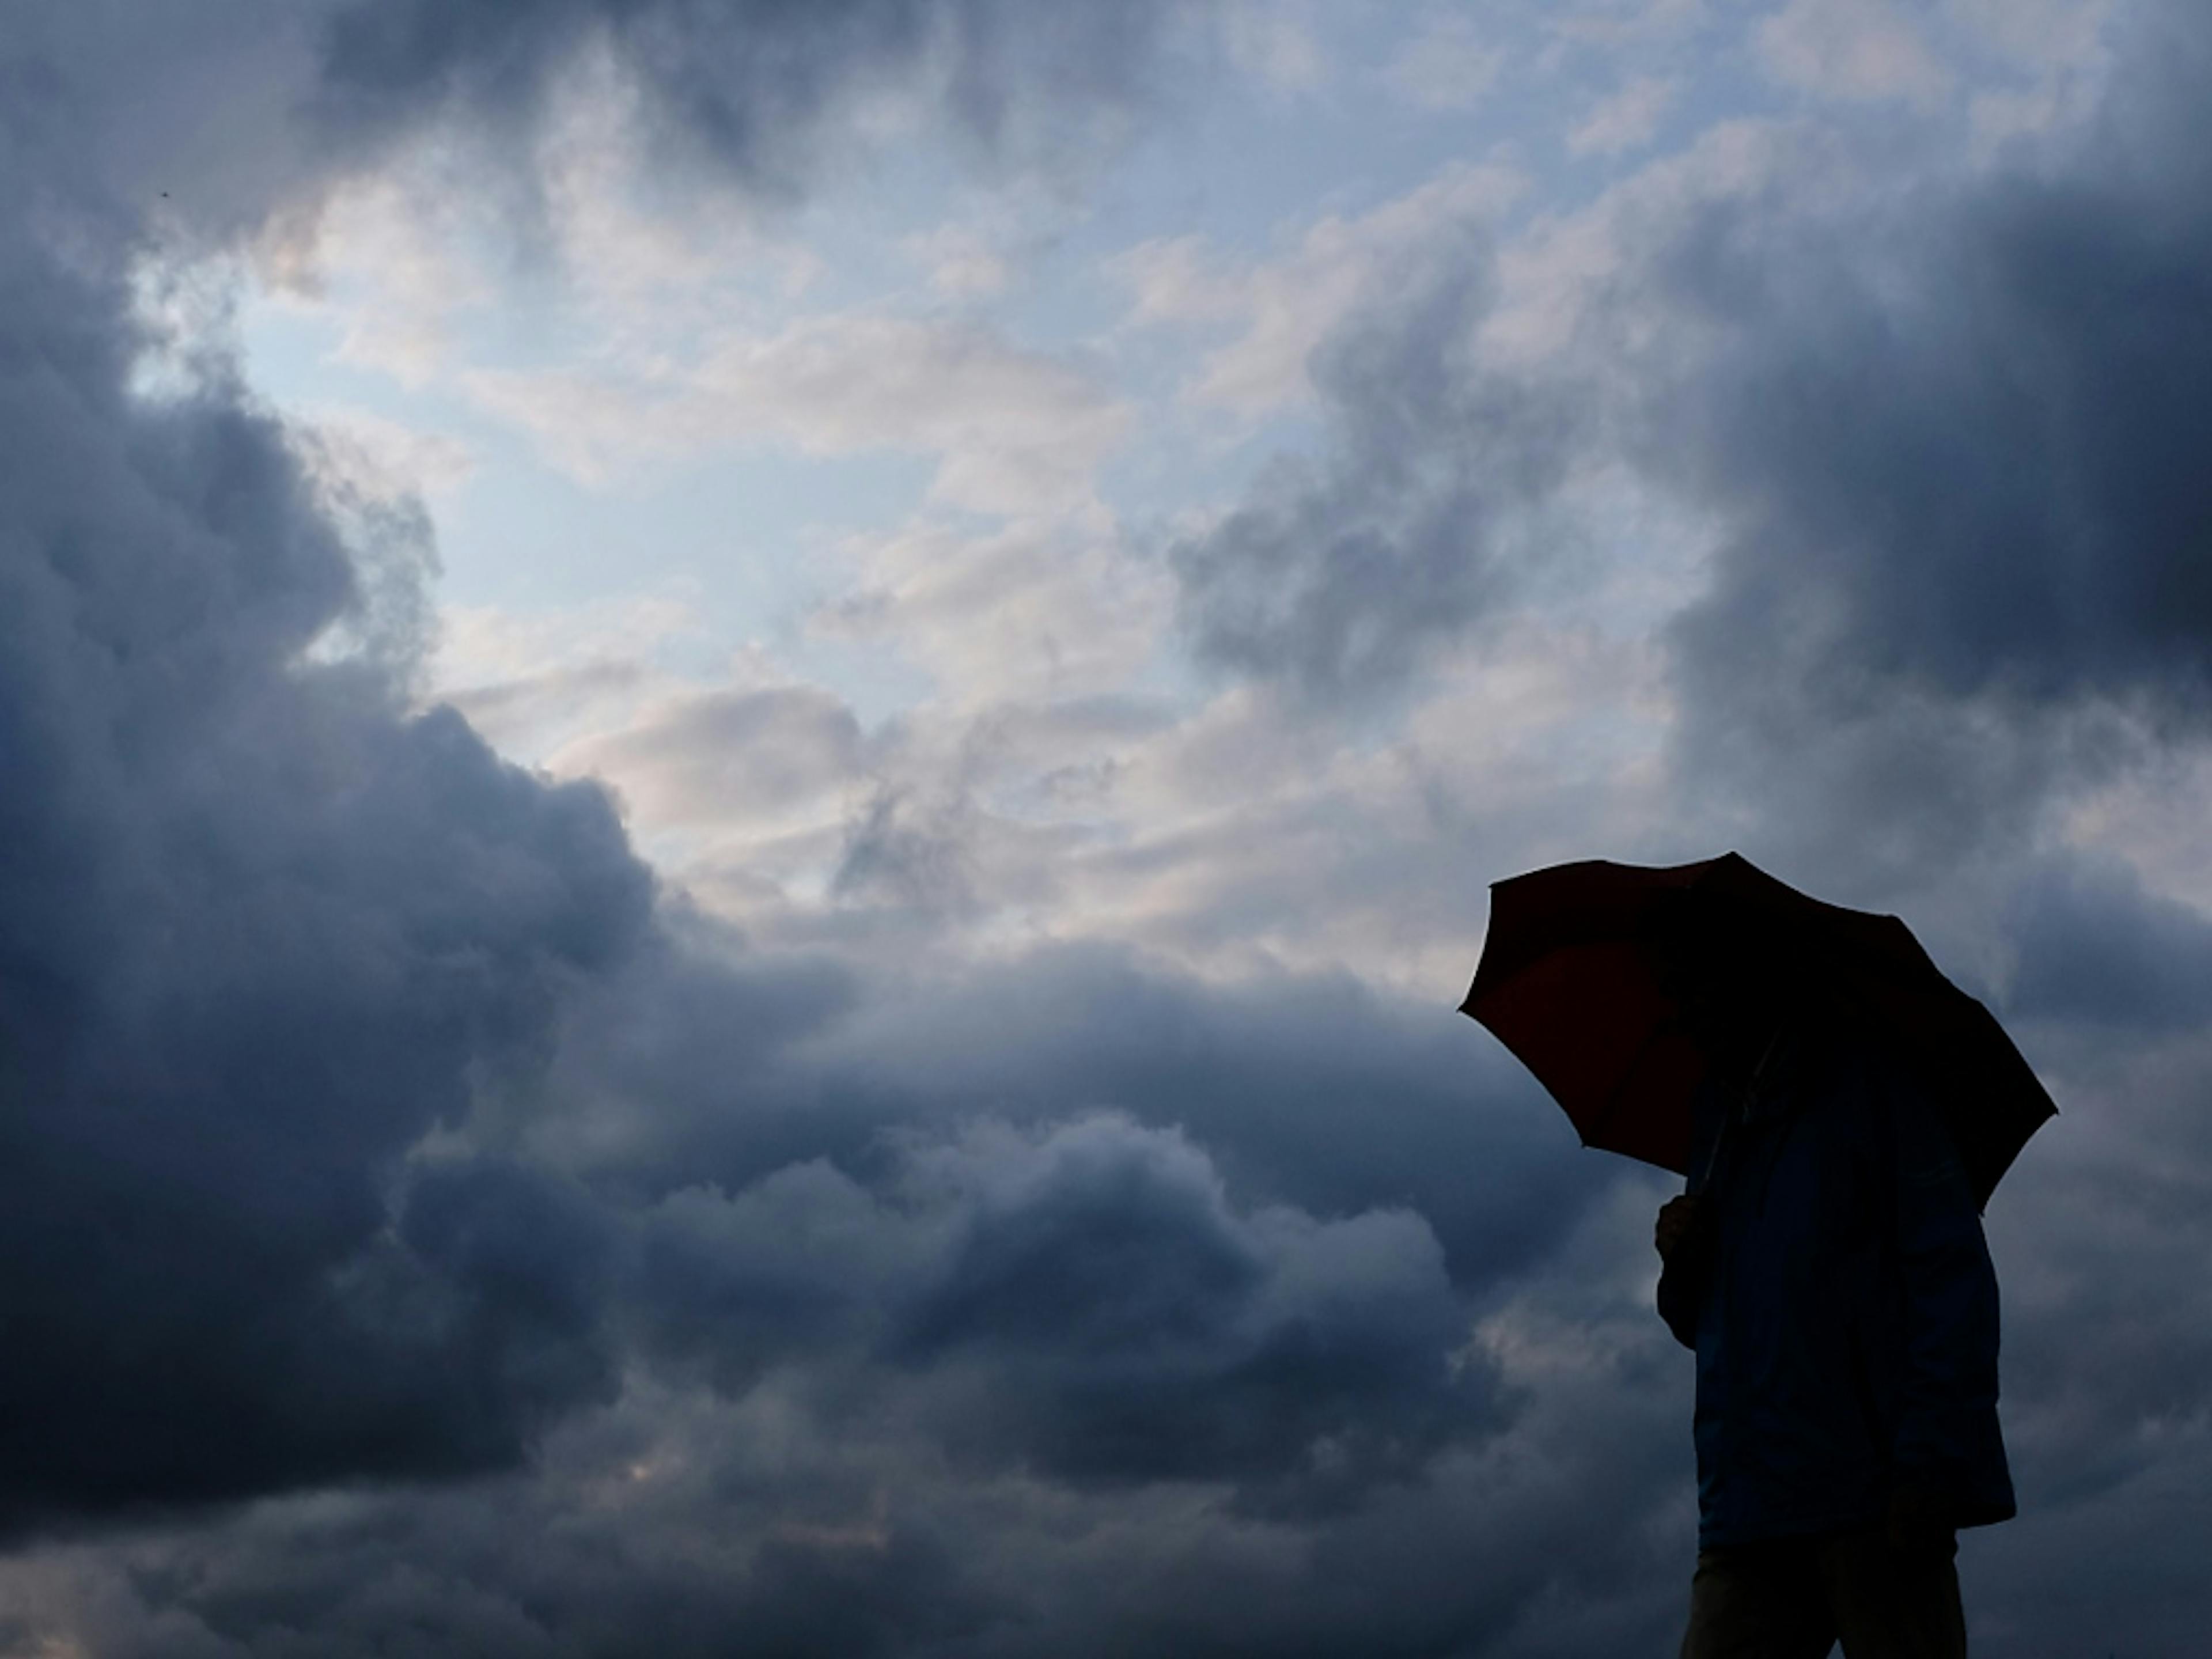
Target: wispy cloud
point(1016, 431)
point(1448, 62)
point(1865, 49)
point(1626, 120)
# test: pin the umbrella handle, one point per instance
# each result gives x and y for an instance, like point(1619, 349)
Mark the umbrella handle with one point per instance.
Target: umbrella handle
point(1713, 1157)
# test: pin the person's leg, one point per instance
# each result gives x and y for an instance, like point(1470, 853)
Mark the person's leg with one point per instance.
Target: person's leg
point(1759, 1601)
point(1890, 1603)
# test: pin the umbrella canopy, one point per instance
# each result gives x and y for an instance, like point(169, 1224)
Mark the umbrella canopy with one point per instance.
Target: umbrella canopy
point(1574, 982)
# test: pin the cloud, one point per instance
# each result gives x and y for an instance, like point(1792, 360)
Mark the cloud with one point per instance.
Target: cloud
point(1084, 1301)
point(687, 1519)
point(1863, 50)
point(1626, 120)
point(2063, 34)
point(1960, 533)
point(271, 936)
point(1334, 575)
point(753, 88)
point(1018, 431)
point(264, 931)
point(1289, 306)
point(1447, 63)
point(715, 754)
point(1276, 44)
point(1029, 613)
point(2094, 945)
point(1935, 428)
point(1967, 469)
point(855, 1286)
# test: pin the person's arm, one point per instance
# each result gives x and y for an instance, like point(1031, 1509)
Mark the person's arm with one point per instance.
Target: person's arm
point(1947, 1455)
point(1683, 1234)
point(1680, 1237)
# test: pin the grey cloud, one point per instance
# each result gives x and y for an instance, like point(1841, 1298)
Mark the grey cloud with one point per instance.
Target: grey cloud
point(248, 106)
point(1944, 429)
point(909, 851)
point(1084, 1300)
point(260, 932)
point(682, 1522)
point(1338, 577)
point(1963, 573)
point(1136, 1329)
point(751, 84)
point(1944, 432)
point(1313, 1092)
point(1982, 487)
point(2094, 945)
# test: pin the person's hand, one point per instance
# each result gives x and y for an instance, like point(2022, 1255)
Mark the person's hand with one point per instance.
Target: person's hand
point(1679, 1220)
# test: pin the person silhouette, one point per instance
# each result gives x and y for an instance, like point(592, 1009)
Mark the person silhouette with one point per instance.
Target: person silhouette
point(1827, 1267)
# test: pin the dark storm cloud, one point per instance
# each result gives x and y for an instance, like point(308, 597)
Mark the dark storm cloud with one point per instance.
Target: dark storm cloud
point(2094, 946)
point(1948, 438)
point(1085, 1301)
point(911, 1507)
point(1313, 1092)
point(1127, 1325)
point(260, 931)
point(1958, 434)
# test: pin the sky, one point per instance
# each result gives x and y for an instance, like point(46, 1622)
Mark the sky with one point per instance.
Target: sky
point(752, 751)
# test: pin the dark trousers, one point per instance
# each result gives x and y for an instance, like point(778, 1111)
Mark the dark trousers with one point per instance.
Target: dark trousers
point(1796, 1598)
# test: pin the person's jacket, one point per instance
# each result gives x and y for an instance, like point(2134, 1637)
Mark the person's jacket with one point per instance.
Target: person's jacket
point(1841, 1302)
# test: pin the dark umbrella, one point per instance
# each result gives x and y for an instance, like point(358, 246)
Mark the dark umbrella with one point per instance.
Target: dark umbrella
point(1575, 981)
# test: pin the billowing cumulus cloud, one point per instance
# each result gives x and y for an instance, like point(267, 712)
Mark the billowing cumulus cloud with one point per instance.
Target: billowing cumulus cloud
point(1086, 1302)
point(263, 931)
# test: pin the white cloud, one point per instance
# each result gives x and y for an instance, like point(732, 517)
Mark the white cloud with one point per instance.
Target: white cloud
point(392, 453)
point(1287, 307)
point(754, 758)
point(1275, 43)
point(1450, 62)
point(962, 263)
point(1858, 50)
point(1031, 612)
point(1018, 431)
point(1627, 120)
point(533, 683)
point(1616, 23)
point(2036, 33)
point(396, 260)
point(1562, 268)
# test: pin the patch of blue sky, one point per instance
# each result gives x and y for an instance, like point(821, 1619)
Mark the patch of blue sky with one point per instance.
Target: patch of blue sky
point(750, 527)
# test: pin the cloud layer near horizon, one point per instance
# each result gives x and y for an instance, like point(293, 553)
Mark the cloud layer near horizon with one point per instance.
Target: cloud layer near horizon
point(423, 1229)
